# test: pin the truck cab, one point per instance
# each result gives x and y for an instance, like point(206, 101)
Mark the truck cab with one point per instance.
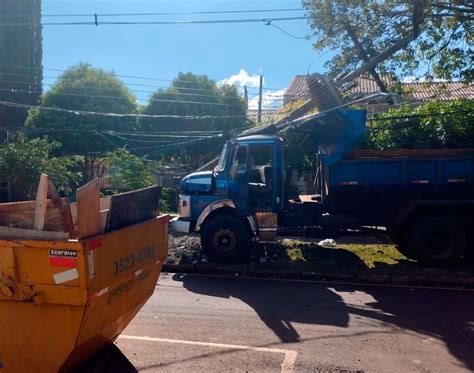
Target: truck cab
point(222, 204)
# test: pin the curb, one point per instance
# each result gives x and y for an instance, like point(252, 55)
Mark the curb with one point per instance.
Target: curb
point(365, 279)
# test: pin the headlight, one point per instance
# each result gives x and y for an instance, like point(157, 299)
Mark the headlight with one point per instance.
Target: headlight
point(184, 206)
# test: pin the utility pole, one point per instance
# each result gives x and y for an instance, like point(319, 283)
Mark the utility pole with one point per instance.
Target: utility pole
point(260, 100)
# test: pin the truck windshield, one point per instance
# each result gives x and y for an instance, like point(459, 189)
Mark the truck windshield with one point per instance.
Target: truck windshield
point(222, 160)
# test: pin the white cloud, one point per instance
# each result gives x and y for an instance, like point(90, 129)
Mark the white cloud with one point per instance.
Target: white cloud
point(270, 99)
point(242, 78)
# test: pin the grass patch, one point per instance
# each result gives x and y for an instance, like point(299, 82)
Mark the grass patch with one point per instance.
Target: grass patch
point(350, 261)
point(372, 254)
point(295, 254)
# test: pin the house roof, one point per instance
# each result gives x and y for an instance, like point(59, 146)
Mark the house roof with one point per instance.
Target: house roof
point(268, 115)
point(365, 84)
point(443, 91)
point(297, 88)
point(412, 92)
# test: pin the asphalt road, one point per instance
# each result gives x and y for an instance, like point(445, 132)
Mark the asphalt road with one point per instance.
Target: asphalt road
point(198, 323)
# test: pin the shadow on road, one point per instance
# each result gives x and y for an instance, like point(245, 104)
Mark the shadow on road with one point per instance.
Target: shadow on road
point(277, 303)
point(444, 314)
point(447, 315)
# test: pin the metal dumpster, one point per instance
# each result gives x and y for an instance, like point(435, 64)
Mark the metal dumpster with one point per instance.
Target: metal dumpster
point(63, 301)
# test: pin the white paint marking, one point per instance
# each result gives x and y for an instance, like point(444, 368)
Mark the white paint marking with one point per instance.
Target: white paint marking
point(60, 278)
point(287, 366)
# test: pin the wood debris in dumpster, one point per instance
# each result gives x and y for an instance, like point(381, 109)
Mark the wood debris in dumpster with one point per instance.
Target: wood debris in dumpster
point(50, 217)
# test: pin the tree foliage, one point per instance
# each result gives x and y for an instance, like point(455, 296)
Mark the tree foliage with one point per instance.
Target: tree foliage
point(194, 95)
point(20, 59)
point(23, 160)
point(134, 172)
point(444, 32)
point(83, 87)
point(434, 125)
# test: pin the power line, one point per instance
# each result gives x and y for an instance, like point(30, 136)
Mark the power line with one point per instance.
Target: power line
point(118, 115)
point(14, 90)
point(117, 89)
point(306, 37)
point(160, 13)
point(183, 101)
point(192, 22)
point(136, 77)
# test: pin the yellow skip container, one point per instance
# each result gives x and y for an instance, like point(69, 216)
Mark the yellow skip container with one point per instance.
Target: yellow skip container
point(63, 301)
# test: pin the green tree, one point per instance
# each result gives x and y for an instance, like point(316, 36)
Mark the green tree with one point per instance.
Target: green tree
point(20, 58)
point(23, 160)
point(194, 95)
point(443, 32)
point(431, 126)
point(134, 172)
point(83, 87)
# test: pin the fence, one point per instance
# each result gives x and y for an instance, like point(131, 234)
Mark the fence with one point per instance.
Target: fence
point(168, 177)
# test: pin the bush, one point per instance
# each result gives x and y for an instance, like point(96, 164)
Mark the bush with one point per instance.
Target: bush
point(23, 160)
point(434, 125)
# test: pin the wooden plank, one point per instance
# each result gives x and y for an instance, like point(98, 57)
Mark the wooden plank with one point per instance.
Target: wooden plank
point(40, 202)
point(63, 206)
point(133, 207)
point(31, 234)
point(21, 215)
point(88, 209)
point(105, 203)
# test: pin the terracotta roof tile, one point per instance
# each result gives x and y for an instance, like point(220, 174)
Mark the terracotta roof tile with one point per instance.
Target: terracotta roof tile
point(413, 92)
point(443, 91)
point(268, 116)
point(296, 89)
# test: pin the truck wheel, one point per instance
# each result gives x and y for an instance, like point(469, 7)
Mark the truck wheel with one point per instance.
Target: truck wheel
point(438, 241)
point(226, 239)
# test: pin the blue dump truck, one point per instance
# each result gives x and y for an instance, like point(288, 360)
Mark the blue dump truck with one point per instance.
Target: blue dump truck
point(423, 199)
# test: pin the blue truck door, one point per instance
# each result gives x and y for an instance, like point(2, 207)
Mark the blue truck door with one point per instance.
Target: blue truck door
point(238, 178)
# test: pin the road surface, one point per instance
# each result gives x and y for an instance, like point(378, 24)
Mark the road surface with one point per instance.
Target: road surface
point(200, 323)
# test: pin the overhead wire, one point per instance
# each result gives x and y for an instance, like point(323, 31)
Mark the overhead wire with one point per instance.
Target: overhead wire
point(119, 115)
point(139, 78)
point(190, 22)
point(13, 90)
point(306, 37)
point(161, 13)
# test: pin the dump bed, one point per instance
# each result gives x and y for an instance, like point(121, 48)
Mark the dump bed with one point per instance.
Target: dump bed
point(404, 169)
point(374, 186)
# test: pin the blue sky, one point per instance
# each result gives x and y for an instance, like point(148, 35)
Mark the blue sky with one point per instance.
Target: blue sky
point(237, 51)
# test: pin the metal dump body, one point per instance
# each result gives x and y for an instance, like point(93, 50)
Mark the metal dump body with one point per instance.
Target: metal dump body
point(63, 301)
point(403, 171)
point(374, 185)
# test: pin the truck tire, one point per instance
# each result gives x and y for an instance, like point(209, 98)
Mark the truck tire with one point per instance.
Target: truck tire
point(226, 239)
point(438, 241)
